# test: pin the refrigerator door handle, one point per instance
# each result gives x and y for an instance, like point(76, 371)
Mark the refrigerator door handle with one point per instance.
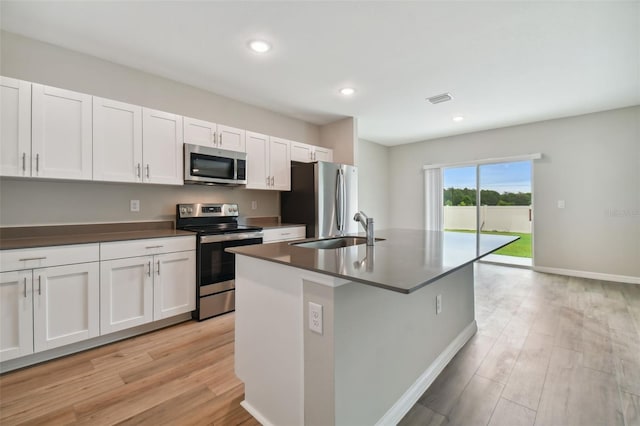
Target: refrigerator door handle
point(339, 194)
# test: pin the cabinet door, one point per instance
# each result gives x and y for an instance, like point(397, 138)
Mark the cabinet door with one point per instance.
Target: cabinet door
point(280, 164)
point(126, 293)
point(16, 327)
point(117, 141)
point(162, 147)
point(61, 144)
point(322, 154)
point(199, 132)
point(66, 305)
point(15, 127)
point(174, 284)
point(231, 138)
point(301, 152)
point(257, 160)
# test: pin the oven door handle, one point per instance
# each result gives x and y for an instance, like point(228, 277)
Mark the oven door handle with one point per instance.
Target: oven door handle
point(204, 239)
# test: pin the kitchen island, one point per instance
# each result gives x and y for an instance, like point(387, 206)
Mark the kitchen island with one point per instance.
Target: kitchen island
point(387, 319)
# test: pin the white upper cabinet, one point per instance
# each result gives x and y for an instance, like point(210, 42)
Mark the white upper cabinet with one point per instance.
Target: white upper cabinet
point(162, 147)
point(308, 153)
point(231, 138)
point(301, 152)
point(61, 144)
point(257, 161)
point(117, 141)
point(199, 132)
point(280, 164)
point(205, 133)
point(15, 127)
point(322, 154)
point(268, 162)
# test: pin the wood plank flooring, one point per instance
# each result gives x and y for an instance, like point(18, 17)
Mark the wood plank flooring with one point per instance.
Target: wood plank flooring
point(550, 350)
point(179, 375)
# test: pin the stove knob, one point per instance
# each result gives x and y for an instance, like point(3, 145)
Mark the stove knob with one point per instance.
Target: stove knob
point(190, 210)
point(183, 210)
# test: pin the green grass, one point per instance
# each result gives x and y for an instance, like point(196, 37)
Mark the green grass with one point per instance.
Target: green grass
point(520, 248)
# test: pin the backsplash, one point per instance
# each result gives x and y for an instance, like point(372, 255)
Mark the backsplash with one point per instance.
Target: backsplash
point(39, 202)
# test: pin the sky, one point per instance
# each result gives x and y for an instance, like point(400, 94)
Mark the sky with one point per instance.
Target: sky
point(501, 177)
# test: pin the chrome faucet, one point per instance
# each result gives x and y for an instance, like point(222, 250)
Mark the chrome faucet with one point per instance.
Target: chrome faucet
point(367, 224)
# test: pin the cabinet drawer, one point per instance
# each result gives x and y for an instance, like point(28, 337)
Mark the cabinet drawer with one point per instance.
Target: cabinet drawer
point(133, 248)
point(42, 257)
point(289, 233)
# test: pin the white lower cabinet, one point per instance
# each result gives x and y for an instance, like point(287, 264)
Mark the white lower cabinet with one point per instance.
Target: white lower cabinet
point(174, 289)
point(66, 305)
point(16, 308)
point(49, 297)
point(158, 283)
point(126, 293)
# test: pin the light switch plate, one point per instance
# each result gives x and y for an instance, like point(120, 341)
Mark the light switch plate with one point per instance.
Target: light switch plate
point(315, 317)
point(134, 205)
point(561, 204)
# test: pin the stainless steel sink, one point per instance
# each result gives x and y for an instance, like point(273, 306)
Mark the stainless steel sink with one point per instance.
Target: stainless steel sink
point(333, 243)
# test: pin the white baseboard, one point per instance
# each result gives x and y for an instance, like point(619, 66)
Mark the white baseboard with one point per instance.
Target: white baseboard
point(411, 396)
point(255, 413)
point(586, 274)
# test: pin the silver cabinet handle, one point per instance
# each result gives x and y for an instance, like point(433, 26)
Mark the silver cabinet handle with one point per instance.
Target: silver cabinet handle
point(149, 270)
point(158, 268)
point(272, 181)
point(267, 180)
point(152, 247)
point(25, 287)
point(37, 162)
point(32, 258)
point(215, 138)
point(148, 171)
point(39, 284)
point(24, 161)
point(220, 139)
point(138, 170)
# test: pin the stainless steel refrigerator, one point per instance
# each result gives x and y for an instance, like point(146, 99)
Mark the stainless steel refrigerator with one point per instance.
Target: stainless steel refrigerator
point(323, 196)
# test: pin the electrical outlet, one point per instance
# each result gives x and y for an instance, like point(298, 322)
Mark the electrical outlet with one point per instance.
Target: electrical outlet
point(561, 204)
point(254, 205)
point(315, 317)
point(134, 205)
point(438, 304)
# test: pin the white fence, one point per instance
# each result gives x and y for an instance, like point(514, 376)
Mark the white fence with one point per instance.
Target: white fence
point(494, 218)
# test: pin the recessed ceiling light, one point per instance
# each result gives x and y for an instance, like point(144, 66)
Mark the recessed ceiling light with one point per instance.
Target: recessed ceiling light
point(458, 118)
point(347, 91)
point(259, 46)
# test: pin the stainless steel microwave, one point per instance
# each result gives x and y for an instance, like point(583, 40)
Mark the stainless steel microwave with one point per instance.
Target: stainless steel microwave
point(209, 166)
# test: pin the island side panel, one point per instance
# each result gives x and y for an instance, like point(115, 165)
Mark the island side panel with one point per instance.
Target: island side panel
point(384, 341)
point(269, 343)
point(319, 384)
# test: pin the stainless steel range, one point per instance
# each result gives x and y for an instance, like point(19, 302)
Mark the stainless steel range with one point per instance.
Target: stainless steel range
point(217, 228)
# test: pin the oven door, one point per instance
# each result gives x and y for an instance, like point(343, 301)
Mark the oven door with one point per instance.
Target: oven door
point(217, 268)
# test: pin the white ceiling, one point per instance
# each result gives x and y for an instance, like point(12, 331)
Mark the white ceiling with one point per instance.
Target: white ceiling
point(504, 62)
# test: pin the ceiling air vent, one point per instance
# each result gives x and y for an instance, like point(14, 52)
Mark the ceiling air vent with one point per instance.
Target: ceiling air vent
point(440, 98)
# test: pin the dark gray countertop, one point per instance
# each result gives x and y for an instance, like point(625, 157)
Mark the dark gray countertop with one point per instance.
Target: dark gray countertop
point(405, 261)
point(57, 235)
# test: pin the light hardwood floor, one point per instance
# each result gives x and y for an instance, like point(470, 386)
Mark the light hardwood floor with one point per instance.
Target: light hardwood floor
point(550, 350)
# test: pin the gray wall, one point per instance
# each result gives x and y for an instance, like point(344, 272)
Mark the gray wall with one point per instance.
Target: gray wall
point(590, 161)
point(373, 182)
point(22, 201)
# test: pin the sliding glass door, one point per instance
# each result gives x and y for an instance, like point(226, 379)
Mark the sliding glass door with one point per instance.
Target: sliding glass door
point(491, 198)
